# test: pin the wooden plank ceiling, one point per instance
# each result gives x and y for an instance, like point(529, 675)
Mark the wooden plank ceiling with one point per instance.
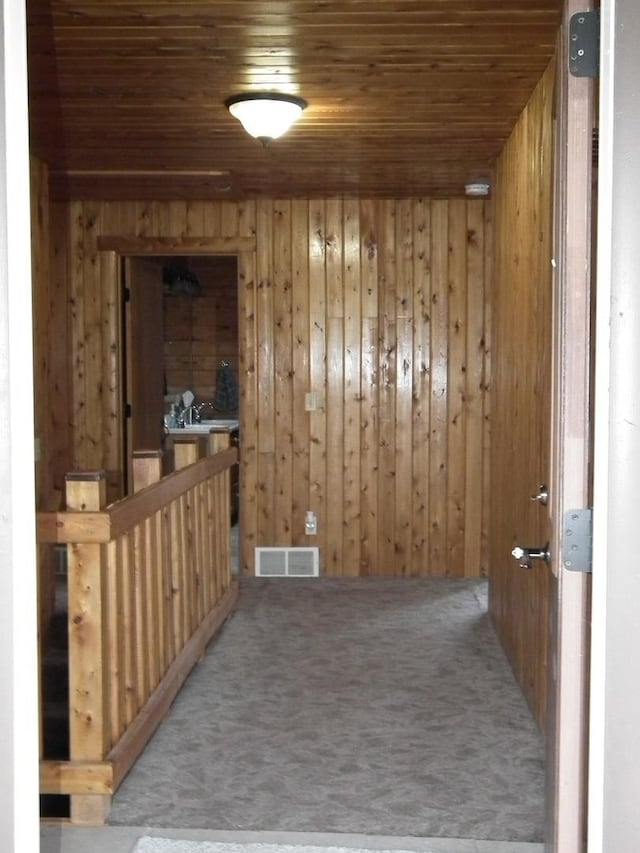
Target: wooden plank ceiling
point(406, 97)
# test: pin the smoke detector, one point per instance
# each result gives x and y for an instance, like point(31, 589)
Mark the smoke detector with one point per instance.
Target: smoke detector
point(477, 188)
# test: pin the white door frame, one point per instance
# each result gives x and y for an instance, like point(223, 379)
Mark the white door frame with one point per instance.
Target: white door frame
point(614, 772)
point(570, 451)
point(614, 777)
point(19, 814)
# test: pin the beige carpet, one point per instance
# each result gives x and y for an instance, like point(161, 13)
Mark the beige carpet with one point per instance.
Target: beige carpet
point(171, 845)
point(371, 706)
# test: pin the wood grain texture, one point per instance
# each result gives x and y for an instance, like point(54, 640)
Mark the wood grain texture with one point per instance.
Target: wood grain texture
point(404, 98)
point(49, 415)
point(520, 402)
point(201, 331)
point(379, 308)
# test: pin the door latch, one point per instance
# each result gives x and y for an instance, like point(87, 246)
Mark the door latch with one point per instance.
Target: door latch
point(542, 496)
point(525, 556)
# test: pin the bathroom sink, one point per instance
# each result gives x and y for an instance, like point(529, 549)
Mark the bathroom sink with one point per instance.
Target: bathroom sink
point(221, 423)
point(191, 429)
point(205, 427)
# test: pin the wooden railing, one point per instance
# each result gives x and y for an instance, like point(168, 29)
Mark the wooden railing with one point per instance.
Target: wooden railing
point(149, 583)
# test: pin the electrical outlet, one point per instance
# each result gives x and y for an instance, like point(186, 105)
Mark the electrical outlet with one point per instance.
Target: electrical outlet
point(310, 401)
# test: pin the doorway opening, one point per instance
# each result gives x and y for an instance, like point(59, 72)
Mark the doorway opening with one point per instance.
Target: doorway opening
point(180, 355)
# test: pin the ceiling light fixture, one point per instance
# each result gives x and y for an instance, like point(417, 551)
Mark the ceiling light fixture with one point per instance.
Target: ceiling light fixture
point(266, 115)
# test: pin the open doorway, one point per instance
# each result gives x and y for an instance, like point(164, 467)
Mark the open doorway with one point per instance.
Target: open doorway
point(181, 353)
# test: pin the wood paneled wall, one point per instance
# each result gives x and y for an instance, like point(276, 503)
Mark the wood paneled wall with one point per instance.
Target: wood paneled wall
point(202, 331)
point(51, 381)
point(521, 398)
point(377, 306)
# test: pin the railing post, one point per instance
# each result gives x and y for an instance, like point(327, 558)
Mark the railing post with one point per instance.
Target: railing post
point(219, 441)
point(88, 664)
point(187, 450)
point(147, 468)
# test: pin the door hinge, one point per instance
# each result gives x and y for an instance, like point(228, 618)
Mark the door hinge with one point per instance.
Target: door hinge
point(126, 294)
point(577, 534)
point(128, 411)
point(584, 44)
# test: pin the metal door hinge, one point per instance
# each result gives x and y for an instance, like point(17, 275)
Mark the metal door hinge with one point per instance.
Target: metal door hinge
point(584, 44)
point(577, 534)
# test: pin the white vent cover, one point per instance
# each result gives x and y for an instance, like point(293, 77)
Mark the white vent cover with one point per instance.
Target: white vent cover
point(287, 562)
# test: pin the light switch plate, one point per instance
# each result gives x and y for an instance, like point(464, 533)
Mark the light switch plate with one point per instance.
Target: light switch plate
point(310, 401)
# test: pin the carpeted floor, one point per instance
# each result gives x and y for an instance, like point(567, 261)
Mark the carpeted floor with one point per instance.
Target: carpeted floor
point(169, 845)
point(355, 705)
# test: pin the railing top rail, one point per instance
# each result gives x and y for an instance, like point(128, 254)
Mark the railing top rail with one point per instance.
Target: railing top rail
point(123, 515)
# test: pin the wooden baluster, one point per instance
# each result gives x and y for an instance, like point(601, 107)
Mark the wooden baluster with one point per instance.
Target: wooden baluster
point(222, 489)
point(89, 724)
point(187, 450)
point(147, 469)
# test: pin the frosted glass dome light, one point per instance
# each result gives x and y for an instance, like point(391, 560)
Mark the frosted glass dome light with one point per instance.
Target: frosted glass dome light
point(266, 115)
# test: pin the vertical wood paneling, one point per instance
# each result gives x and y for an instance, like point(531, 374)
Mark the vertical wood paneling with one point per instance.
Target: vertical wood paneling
point(266, 375)
point(473, 394)
point(300, 366)
point(81, 381)
point(456, 382)
point(45, 293)
point(334, 562)
point(487, 443)
point(404, 387)
point(195, 218)
point(318, 371)
point(352, 395)
point(420, 447)
point(369, 532)
point(376, 306)
point(59, 384)
point(387, 390)
point(438, 420)
point(247, 341)
point(111, 316)
point(283, 378)
point(521, 321)
point(201, 332)
point(369, 386)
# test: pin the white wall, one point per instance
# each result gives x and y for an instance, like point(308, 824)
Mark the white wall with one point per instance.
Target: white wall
point(614, 798)
point(18, 599)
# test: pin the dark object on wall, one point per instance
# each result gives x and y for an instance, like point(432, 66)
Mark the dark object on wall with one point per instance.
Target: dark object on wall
point(584, 44)
point(226, 398)
point(179, 279)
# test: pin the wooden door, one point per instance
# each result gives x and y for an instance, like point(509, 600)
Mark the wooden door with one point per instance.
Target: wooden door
point(144, 357)
point(571, 450)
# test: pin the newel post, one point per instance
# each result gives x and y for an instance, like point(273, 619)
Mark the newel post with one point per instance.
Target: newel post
point(88, 663)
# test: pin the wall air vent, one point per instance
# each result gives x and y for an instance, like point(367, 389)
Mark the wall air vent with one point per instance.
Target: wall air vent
point(287, 562)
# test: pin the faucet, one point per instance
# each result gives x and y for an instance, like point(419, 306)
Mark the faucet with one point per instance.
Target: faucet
point(198, 409)
point(189, 415)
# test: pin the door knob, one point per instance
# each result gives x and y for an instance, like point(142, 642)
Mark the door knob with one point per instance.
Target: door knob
point(542, 496)
point(525, 556)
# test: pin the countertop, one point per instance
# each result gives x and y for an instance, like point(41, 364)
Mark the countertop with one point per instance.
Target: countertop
point(205, 427)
